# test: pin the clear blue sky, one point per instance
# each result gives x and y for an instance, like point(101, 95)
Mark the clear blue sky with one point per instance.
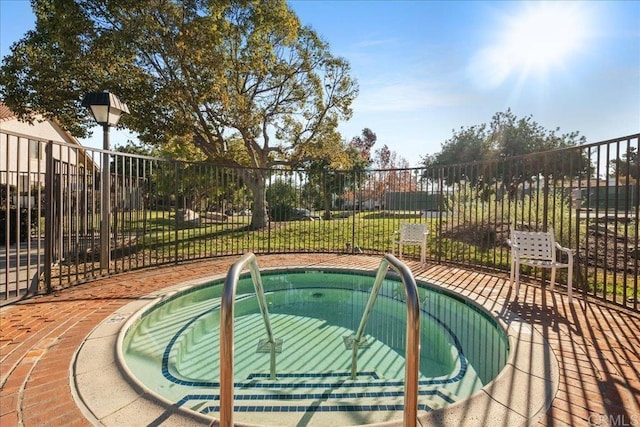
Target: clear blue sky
point(427, 67)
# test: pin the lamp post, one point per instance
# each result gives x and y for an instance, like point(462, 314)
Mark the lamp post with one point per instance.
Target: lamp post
point(106, 108)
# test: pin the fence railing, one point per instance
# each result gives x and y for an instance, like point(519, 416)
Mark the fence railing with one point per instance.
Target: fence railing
point(167, 211)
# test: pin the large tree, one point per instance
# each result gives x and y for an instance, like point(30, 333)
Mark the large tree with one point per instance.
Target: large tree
point(337, 166)
point(479, 151)
point(209, 71)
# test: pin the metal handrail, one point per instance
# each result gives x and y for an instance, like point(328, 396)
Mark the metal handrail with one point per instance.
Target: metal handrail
point(412, 351)
point(226, 331)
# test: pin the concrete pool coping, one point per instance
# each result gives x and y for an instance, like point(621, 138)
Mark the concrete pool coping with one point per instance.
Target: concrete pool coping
point(108, 398)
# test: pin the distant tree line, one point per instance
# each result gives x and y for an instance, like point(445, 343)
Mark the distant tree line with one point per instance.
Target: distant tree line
point(485, 147)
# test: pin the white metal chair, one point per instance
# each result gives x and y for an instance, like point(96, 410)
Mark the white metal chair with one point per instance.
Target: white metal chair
point(538, 249)
point(411, 234)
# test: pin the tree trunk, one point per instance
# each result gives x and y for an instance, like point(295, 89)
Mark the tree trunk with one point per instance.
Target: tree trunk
point(257, 184)
point(327, 205)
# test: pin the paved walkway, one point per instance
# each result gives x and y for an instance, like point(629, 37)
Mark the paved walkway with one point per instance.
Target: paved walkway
point(597, 346)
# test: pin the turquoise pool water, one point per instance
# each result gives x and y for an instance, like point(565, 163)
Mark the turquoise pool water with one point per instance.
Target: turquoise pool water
point(173, 347)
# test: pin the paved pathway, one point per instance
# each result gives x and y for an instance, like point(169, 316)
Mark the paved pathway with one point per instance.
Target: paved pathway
point(597, 346)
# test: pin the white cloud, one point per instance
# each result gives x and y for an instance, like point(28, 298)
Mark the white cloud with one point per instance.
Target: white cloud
point(380, 96)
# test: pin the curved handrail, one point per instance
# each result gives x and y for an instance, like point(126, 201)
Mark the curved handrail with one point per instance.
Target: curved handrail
point(412, 350)
point(226, 331)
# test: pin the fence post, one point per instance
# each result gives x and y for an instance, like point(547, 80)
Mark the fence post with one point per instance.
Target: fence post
point(48, 214)
point(441, 206)
point(269, 213)
point(105, 205)
point(576, 202)
point(545, 202)
point(175, 217)
point(353, 218)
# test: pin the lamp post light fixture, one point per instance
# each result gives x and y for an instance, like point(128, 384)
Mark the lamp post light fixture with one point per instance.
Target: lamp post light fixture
point(106, 108)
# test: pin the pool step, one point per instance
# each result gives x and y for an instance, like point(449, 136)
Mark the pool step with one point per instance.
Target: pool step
point(324, 395)
point(348, 391)
point(373, 404)
point(322, 377)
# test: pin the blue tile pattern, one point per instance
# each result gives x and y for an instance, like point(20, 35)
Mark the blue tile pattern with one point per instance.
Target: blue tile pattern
point(315, 408)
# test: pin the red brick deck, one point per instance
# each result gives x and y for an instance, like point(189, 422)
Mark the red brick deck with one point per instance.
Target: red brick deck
point(597, 346)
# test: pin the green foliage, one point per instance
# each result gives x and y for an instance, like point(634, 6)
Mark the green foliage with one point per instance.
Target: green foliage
point(552, 210)
point(538, 209)
point(54, 65)
point(622, 167)
point(465, 146)
point(281, 197)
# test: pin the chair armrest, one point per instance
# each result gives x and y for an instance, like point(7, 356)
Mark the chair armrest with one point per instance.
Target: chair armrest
point(513, 245)
point(568, 251)
point(515, 249)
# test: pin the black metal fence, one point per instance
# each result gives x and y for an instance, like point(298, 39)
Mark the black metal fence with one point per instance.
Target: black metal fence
point(167, 211)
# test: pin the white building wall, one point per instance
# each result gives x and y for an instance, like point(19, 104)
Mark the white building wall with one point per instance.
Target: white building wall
point(22, 150)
